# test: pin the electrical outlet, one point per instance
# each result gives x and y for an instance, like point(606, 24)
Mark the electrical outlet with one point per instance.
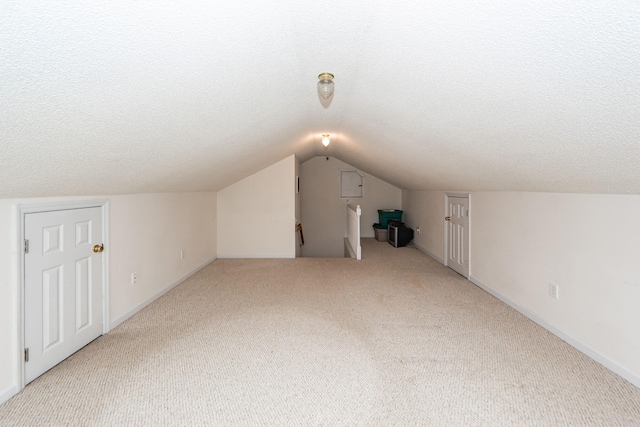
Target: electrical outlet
point(418, 230)
point(134, 278)
point(553, 290)
point(181, 253)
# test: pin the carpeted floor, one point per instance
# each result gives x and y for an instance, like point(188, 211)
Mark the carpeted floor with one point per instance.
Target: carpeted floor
point(395, 339)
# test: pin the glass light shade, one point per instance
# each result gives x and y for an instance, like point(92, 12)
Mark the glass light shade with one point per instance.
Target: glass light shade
point(325, 85)
point(326, 140)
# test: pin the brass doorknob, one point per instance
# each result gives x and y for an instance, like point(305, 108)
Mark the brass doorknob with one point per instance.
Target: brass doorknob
point(98, 248)
point(448, 218)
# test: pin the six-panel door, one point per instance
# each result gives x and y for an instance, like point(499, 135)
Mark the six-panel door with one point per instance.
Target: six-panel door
point(458, 234)
point(63, 285)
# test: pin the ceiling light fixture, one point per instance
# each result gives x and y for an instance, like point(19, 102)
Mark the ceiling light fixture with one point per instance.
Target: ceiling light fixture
point(326, 140)
point(325, 85)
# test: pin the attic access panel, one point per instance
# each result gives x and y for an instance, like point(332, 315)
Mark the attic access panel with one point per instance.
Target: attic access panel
point(351, 184)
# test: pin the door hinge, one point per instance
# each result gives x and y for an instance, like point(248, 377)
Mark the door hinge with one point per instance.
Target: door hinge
point(26, 354)
point(26, 246)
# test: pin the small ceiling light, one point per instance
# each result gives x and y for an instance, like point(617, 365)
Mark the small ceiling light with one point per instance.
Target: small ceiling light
point(325, 85)
point(326, 140)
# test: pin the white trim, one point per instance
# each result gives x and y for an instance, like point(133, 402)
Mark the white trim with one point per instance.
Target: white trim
point(60, 206)
point(469, 231)
point(577, 344)
point(262, 255)
point(9, 393)
point(19, 279)
point(21, 210)
point(106, 288)
point(427, 252)
point(157, 295)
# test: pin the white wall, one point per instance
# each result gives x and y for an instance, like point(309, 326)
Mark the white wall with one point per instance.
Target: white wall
point(256, 216)
point(425, 210)
point(324, 213)
point(147, 232)
point(586, 244)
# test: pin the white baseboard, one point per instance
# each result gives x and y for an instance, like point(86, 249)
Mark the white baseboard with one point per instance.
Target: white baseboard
point(15, 389)
point(579, 345)
point(145, 303)
point(431, 254)
point(632, 377)
point(9, 393)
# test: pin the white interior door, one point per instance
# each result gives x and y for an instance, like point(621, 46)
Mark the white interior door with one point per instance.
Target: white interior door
point(63, 285)
point(458, 234)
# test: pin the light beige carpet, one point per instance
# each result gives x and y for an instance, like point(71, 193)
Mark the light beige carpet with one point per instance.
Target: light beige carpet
point(396, 339)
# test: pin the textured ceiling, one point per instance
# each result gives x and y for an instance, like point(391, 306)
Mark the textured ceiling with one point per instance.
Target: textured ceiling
point(128, 97)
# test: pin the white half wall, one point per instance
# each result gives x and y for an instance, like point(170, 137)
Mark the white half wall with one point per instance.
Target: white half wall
point(586, 244)
point(147, 232)
point(256, 215)
point(324, 213)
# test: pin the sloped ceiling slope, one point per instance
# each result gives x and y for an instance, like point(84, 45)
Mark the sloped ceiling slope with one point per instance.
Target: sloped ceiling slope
point(129, 97)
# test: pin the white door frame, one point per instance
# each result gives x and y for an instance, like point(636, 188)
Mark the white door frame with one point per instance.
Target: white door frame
point(446, 233)
point(20, 212)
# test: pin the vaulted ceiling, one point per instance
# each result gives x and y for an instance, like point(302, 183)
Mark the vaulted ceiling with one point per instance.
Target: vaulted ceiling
point(121, 97)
